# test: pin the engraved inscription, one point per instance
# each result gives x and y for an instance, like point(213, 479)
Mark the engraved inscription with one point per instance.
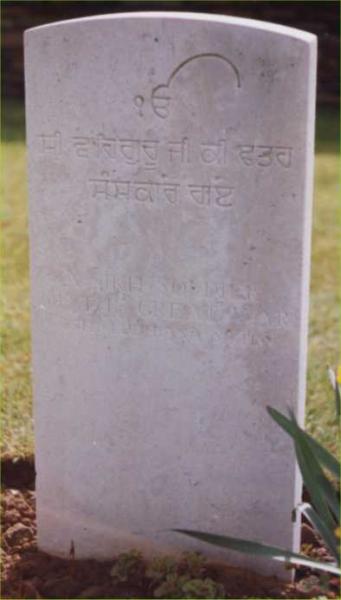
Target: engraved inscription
point(161, 95)
point(265, 156)
point(151, 153)
point(213, 153)
point(139, 102)
point(150, 308)
point(145, 191)
point(206, 195)
point(179, 151)
point(106, 280)
point(138, 305)
point(104, 187)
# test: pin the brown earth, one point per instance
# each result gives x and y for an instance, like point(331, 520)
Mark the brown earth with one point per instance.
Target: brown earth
point(29, 573)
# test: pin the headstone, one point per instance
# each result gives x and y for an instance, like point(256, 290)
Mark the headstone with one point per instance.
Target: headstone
point(170, 175)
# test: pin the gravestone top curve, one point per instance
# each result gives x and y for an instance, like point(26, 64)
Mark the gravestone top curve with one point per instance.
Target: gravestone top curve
point(187, 16)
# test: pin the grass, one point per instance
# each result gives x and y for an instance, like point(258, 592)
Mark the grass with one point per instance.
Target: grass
point(17, 428)
point(16, 405)
point(324, 325)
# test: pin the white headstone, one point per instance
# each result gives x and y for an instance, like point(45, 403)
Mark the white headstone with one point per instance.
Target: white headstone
point(170, 168)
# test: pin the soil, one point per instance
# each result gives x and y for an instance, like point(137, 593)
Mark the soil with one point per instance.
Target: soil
point(29, 573)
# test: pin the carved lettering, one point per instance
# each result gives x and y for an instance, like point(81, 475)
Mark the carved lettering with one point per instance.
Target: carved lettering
point(283, 156)
point(82, 146)
point(265, 156)
point(106, 146)
point(109, 188)
point(170, 192)
point(130, 151)
point(206, 195)
point(148, 152)
point(144, 191)
point(179, 151)
point(161, 96)
point(150, 192)
point(213, 153)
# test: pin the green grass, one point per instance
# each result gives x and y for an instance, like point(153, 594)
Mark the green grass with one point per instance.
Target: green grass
point(324, 325)
point(17, 438)
point(16, 405)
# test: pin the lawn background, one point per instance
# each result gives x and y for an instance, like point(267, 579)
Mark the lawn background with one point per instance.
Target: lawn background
point(15, 360)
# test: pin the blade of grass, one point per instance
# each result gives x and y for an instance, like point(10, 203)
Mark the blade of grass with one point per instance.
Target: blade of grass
point(334, 380)
point(337, 399)
point(258, 549)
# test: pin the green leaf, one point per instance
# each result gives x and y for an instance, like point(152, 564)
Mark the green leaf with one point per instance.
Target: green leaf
point(326, 459)
point(322, 455)
point(258, 549)
point(322, 486)
point(315, 481)
point(326, 534)
point(322, 492)
point(331, 497)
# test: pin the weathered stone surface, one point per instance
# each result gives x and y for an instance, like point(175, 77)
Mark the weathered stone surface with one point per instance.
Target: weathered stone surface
point(170, 167)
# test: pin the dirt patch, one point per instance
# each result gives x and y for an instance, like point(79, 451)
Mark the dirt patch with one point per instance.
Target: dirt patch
point(19, 474)
point(29, 573)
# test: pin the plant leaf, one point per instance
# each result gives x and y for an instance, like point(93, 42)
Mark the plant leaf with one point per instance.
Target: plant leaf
point(331, 497)
point(258, 549)
point(322, 493)
point(323, 488)
point(328, 536)
point(322, 455)
point(314, 481)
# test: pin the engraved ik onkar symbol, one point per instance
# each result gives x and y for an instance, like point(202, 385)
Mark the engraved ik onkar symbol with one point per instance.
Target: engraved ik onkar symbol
point(161, 94)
